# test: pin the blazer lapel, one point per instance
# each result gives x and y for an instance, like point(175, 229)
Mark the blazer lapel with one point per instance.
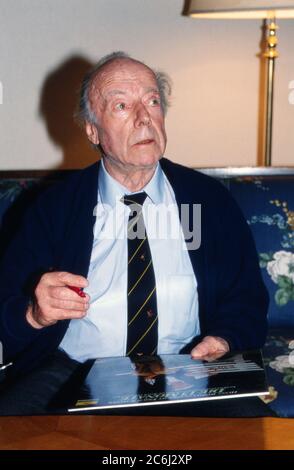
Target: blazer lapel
point(185, 194)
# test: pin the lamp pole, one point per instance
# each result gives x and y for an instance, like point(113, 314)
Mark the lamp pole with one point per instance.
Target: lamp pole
point(271, 54)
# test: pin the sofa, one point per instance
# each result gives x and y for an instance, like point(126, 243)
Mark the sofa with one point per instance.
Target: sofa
point(266, 197)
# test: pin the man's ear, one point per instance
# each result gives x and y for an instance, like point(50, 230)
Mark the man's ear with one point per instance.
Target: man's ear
point(92, 133)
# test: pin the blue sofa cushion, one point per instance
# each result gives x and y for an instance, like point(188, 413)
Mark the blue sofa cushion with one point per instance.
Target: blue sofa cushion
point(268, 205)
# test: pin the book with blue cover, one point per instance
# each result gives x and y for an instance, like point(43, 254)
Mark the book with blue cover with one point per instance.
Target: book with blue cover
point(119, 382)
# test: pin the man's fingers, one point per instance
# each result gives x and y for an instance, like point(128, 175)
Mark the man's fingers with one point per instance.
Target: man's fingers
point(54, 301)
point(72, 279)
point(63, 278)
point(200, 351)
point(69, 305)
point(62, 314)
point(56, 314)
point(210, 348)
point(63, 293)
point(212, 356)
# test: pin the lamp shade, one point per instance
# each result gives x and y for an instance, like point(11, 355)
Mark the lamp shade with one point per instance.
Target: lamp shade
point(240, 8)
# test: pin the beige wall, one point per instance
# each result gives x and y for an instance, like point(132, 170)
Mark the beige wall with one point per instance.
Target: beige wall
point(46, 45)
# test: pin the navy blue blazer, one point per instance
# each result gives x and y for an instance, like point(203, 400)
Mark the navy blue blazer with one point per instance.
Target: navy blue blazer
point(57, 233)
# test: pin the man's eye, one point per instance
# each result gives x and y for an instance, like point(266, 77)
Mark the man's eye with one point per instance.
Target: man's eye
point(154, 101)
point(120, 106)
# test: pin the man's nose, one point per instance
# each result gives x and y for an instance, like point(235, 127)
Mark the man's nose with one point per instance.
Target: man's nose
point(142, 117)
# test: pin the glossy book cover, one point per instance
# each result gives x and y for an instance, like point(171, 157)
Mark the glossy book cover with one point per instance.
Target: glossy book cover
point(150, 380)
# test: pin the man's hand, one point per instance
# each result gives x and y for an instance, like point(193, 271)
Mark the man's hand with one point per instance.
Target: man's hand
point(54, 301)
point(210, 348)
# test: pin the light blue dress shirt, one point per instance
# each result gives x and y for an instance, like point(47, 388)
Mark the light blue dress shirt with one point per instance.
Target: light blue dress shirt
point(103, 332)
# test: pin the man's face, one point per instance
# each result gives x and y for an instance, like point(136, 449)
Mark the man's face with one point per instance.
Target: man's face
point(130, 122)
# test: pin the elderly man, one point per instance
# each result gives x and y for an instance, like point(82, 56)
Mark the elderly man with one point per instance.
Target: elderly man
point(76, 285)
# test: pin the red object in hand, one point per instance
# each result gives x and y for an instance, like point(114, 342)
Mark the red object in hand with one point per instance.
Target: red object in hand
point(78, 290)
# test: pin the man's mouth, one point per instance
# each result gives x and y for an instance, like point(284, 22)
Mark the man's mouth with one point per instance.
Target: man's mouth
point(145, 142)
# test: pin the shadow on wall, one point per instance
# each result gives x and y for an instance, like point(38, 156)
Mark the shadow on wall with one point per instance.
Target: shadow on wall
point(58, 102)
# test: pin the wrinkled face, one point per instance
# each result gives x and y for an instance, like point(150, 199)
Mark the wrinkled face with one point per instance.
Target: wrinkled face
point(130, 122)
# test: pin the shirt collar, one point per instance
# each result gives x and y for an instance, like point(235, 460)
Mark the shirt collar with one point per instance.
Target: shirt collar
point(111, 190)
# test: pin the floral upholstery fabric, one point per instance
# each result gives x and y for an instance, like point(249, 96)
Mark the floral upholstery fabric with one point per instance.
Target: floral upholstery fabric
point(268, 205)
point(279, 361)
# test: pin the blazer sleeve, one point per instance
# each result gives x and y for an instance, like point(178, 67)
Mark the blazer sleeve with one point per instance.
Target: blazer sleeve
point(29, 254)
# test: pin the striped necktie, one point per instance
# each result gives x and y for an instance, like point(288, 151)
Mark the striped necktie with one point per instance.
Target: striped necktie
point(142, 334)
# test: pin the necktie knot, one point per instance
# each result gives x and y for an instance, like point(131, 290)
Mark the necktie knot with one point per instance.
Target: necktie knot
point(137, 199)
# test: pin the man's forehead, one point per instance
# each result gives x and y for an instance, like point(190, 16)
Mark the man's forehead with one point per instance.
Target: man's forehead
point(118, 75)
point(124, 90)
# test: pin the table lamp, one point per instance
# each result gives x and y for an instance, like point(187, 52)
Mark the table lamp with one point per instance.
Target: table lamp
point(251, 9)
